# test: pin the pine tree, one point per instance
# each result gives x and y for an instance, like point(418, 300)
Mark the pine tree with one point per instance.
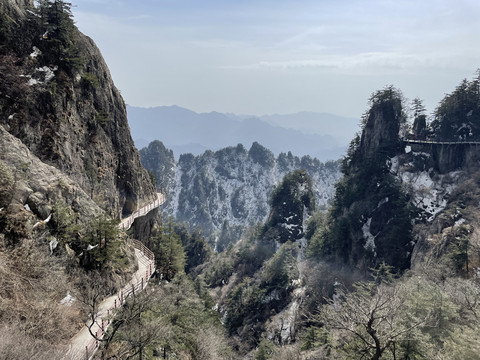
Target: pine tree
point(457, 118)
point(103, 242)
point(419, 119)
point(59, 35)
point(169, 252)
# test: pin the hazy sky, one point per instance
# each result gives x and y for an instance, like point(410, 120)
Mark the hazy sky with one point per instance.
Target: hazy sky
point(282, 56)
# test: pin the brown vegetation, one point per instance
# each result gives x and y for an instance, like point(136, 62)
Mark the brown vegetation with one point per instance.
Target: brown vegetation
point(32, 285)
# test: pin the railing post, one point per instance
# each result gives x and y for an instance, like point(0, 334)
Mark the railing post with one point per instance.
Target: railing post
point(86, 352)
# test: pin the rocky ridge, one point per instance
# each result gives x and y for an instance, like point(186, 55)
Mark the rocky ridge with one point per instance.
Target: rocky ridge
point(227, 190)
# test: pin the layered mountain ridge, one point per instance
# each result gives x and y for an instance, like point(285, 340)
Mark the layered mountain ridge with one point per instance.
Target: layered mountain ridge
point(319, 135)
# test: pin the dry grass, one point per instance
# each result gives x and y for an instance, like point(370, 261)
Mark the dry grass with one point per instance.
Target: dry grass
point(15, 345)
point(32, 285)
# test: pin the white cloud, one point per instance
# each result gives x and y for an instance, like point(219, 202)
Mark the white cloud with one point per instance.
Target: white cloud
point(387, 62)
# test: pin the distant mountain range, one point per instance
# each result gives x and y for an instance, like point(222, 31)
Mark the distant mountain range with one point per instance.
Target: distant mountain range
point(320, 135)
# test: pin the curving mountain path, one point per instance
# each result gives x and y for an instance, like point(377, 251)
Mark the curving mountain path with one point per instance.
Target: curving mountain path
point(83, 345)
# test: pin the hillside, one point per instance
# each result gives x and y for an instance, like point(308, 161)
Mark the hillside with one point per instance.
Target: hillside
point(68, 173)
point(322, 136)
point(387, 272)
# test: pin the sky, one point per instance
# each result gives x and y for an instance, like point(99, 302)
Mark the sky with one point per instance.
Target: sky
point(282, 56)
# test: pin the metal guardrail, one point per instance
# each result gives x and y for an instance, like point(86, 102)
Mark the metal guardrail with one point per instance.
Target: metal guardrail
point(122, 296)
point(441, 142)
point(126, 223)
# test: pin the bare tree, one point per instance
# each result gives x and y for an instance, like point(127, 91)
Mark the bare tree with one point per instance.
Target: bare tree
point(129, 326)
point(374, 318)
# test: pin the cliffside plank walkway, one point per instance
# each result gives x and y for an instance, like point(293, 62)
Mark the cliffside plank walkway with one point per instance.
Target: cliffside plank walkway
point(83, 345)
point(426, 142)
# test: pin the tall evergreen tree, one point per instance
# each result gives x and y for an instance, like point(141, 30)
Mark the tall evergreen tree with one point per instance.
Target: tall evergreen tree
point(169, 252)
point(419, 119)
point(59, 35)
point(457, 118)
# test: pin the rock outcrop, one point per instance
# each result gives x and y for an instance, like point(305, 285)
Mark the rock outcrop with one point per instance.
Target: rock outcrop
point(446, 157)
point(71, 118)
point(382, 124)
point(37, 188)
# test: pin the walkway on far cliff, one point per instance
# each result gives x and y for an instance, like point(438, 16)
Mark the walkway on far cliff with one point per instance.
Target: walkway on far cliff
point(426, 142)
point(83, 345)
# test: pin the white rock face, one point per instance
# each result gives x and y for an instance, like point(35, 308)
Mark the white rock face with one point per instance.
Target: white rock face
point(429, 190)
point(235, 185)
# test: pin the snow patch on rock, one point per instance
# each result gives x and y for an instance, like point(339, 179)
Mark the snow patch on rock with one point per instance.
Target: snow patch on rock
point(36, 52)
point(67, 300)
point(282, 327)
point(368, 236)
point(428, 190)
point(41, 75)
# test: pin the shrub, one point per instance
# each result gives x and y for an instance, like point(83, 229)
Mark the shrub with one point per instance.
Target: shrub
point(89, 81)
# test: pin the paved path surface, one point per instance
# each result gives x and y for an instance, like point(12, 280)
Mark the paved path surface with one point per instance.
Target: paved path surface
point(79, 343)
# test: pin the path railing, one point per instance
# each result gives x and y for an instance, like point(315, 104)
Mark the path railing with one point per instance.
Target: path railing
point(127, 222)
point(148, 259)
point(408, 141)
point(122, 296)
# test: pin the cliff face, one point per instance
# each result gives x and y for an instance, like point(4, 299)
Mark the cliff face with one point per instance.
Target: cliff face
point(67, 165)
point(34, 190)
point(223, 192)
point(450, 157)
point(382, 126)
point(73, 119)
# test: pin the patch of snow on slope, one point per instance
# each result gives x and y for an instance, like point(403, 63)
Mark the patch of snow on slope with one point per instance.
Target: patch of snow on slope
point(283, 325)
point(41, 75)
point(428, 195)
point(67, 300)
point(368, 236)
point(36, 52)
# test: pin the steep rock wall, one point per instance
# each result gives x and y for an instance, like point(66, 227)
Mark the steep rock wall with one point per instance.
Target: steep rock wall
point(449, 157)
point(76, 122)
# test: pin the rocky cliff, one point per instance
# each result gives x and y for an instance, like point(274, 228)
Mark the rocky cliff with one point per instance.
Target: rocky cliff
point(390, 188)
point(67, 111)
point(222, 192)
point(67, 168)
